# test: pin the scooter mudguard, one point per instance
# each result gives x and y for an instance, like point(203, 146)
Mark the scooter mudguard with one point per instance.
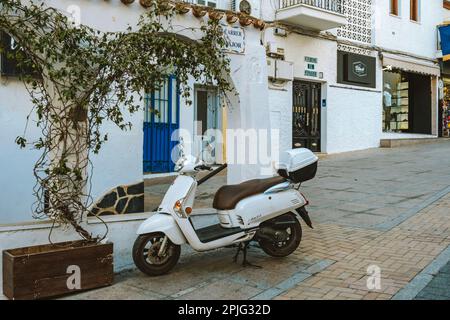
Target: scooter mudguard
point(165, 223)
point(305, 216)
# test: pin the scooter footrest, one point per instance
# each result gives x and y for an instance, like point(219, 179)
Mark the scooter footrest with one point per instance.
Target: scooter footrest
point(214, 232)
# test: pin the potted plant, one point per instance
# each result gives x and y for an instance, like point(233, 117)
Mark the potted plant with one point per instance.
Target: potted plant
point(80, 79)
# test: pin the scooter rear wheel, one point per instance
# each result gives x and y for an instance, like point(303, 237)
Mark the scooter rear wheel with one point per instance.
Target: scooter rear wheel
point(285, 248)
point(146, 258)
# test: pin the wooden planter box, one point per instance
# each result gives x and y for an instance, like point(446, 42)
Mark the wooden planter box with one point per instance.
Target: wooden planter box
point(52, 270)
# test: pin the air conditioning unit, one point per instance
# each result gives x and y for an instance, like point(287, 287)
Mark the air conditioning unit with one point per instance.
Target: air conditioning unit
point(284, 70)
point(279, 32)
point(274, 50)
point(250, 7)
point(280, 70)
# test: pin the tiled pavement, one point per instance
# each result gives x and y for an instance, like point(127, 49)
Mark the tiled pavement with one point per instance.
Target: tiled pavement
point(388, 208)
point(439, 287)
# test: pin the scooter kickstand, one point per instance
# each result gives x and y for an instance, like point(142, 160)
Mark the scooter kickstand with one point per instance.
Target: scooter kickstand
point(245, 263)
point(237, 252)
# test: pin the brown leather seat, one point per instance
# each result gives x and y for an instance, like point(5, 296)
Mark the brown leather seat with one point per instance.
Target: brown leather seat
point(227, 197)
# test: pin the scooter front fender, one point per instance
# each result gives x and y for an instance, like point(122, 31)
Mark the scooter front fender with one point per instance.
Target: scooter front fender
point(165, 223)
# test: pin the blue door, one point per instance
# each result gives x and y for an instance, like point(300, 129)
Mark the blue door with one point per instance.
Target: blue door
point(162, 117)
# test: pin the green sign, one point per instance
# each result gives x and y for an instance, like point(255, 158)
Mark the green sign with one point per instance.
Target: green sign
point(311, 60)
point(311, 67)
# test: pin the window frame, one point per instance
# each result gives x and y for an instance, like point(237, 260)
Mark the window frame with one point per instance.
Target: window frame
point(394, 8)
point(414, 10)
point(208, 2)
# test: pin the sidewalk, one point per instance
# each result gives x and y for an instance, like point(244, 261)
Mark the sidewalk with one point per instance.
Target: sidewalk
point(401, 254)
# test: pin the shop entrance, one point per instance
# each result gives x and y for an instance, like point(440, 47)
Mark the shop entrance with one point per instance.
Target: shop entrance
point(306, 115)
point(406, 102)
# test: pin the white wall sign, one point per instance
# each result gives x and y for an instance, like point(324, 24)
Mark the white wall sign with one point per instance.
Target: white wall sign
point(235, 37)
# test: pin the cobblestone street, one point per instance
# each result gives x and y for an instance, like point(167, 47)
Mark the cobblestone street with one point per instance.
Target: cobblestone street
point(382, 209)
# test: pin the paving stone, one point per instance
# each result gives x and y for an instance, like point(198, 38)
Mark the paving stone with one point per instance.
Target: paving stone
point(382, 208)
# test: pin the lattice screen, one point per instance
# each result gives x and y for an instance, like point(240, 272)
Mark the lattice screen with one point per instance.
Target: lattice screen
point(359, 15)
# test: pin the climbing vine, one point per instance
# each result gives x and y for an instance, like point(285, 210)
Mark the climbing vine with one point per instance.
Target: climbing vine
point(82, 78)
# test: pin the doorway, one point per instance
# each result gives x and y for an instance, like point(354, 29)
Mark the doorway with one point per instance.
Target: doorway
point(161, 120)
point(306, 115)
point(208, 117)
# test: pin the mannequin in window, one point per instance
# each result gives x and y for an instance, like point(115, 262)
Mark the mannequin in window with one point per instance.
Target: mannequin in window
point(387, 104)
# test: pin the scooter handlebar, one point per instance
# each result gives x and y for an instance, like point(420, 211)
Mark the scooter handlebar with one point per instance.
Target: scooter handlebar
point(202, 167)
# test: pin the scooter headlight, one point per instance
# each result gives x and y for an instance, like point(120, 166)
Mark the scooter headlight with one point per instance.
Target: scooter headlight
point(181, 212)
point(178, 208)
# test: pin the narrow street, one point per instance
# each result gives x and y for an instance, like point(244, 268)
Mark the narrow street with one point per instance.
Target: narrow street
point(386, 209)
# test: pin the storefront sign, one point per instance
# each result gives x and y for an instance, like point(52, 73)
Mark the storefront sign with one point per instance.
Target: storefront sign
point(356, 69)
point(235, 38)
point(359, 69)
point(311, 67)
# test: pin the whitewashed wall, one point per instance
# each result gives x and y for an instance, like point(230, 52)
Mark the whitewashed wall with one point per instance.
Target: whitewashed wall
point(351, 119)
point(16, 178)
point(120, 160)
point(400, 33)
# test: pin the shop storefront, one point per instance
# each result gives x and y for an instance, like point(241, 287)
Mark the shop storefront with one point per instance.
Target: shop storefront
point(406, 102)
point(444, 102)
point(444, 110)
point(408, 97)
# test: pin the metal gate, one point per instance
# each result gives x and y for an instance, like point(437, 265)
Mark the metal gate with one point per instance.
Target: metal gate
point(161, 119)
point(306, 115)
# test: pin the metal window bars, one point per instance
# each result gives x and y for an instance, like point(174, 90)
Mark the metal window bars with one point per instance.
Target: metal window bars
point(329, 5)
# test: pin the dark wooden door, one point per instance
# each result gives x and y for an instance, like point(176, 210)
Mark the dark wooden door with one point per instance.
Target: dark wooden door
point(306, 115)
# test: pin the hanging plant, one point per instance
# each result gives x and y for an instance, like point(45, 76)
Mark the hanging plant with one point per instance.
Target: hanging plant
point(215, 15)
point(259, 24)
point(231, 17)
point(198, 11)
point(83, 78)
point(182, 7)
point(245, 20)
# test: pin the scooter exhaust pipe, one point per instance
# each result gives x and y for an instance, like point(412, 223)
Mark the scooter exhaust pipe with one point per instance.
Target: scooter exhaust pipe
point(272, 234)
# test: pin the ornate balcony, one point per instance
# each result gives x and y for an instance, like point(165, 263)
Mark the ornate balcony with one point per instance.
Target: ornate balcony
point(316, 15)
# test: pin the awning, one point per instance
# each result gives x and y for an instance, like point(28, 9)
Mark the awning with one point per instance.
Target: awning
point(412, 66)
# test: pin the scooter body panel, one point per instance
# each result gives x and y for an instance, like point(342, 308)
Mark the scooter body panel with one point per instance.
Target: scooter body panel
point(183, 187)
point(165, 223)
point(252, 211)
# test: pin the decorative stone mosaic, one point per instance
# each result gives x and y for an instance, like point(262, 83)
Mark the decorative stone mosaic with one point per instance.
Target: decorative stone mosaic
point(123, 199)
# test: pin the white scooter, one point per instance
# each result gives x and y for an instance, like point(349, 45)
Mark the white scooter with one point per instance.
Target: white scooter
point(263, 210)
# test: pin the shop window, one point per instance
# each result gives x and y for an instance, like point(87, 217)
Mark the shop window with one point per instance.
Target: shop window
point(395, 102)
point(394, 7)
point(9, 65)
point(407, 102)
point(414, 10)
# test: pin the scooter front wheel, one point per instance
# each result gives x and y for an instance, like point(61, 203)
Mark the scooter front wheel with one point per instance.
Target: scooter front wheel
point(148, 258)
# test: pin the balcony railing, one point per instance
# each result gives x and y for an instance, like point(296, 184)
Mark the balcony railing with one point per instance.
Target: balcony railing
point(329, 5)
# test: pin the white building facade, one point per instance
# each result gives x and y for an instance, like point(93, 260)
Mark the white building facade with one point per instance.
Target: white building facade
point(120, 166)
point(363, 71)
point(317, 75)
